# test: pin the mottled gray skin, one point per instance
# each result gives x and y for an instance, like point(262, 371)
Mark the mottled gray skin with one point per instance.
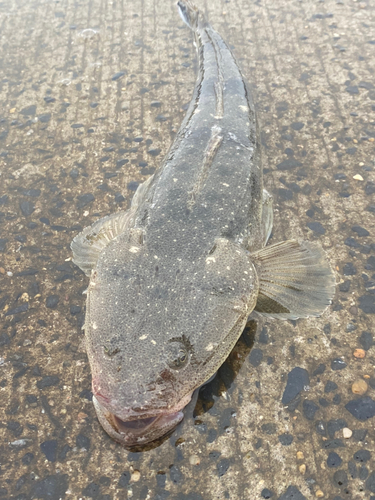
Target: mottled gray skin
point(174, 279)
point(191, 281)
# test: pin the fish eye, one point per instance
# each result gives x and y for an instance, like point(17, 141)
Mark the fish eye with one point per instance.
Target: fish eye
point(177, 355)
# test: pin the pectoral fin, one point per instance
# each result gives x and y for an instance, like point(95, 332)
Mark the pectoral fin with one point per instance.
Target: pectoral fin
point(88, 244)
point(295, 280)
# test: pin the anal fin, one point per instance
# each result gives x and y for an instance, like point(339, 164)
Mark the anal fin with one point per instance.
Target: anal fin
point(295, 280)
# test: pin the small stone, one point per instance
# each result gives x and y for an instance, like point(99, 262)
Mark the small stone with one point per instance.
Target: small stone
point(316, 227)
point(256, 356)
point(223, 466)
point(347, 433)
point(300, 455)
point(49, 448)
point(362, 456)
point(334, 460)
point(118, 75)
point(292, 493)
point(84, 199)
point(48, 381)
point(359, 387)
point(338, 364)
point(330, 386)
point(298, 379)
point(302, 469)
point(266, 493)
point(27, 208)
point(81, 416)
point(358, 177)
point(319, 494)
point(154, 151)
point(361, 408)
point(52, 301)
point(286, 439)
point(359, 353)
point(309, 409)
point(349, 269)
point(361, 231)
point(366, 340)
point(297, 125)
point(367, 304)
point(135, 477)
point(288, 164)
point(194, 460)
point(83, 441)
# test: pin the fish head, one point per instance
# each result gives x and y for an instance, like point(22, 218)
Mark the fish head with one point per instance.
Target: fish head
point(157, 329)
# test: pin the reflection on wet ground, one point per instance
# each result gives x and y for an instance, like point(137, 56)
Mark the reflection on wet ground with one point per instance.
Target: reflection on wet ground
point(91, 95)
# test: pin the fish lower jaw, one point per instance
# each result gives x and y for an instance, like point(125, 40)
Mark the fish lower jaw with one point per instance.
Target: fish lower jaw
point(137, 431)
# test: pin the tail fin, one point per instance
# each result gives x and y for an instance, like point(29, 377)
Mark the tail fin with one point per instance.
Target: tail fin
point(189, 13)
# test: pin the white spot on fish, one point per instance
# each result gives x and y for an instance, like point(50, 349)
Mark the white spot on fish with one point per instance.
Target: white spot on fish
point(94, 326)
point(243, 108)
point(210, 259)
point(134, 249)
point(143, 337)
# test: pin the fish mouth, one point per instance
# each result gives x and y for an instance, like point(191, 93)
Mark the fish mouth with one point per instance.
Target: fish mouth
point(137, 431)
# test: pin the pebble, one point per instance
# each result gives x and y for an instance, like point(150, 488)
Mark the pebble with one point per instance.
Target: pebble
point(359, 353)
point(302, 469)
point(194, 460)
point(2, 270)
point(358, 177)
point(359, 387)
point(347, 433)
point(26, 342)
point(319, 494)
point(136, 476)
point(300, 455)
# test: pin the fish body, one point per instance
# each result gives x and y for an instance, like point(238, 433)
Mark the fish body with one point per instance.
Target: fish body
point(174, 279)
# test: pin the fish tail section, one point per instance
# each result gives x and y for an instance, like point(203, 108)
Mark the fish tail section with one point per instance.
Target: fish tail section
point(190, 14)
point(295, 280)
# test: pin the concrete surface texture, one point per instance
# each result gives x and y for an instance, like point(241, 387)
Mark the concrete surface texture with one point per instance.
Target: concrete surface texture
point(92, 93)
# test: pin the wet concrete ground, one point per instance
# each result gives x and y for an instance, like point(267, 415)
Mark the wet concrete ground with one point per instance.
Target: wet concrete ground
point(92, 93)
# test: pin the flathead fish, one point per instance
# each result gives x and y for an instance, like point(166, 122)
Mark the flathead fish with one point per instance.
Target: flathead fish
point(174, 279)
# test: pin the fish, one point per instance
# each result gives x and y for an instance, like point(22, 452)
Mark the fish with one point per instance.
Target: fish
point(173, 279)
